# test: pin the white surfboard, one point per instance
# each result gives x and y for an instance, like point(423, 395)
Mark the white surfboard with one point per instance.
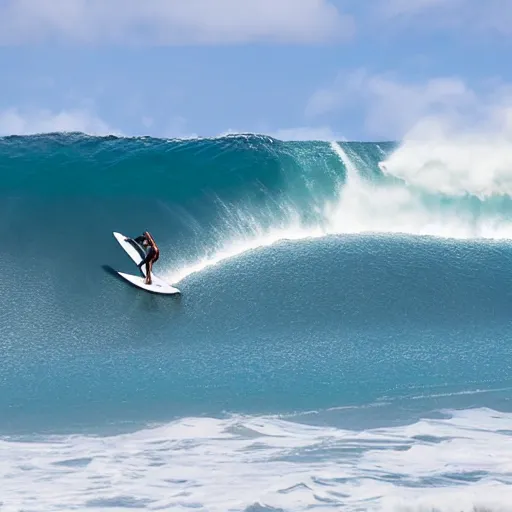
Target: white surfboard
point(128, 247)
point(158, 285)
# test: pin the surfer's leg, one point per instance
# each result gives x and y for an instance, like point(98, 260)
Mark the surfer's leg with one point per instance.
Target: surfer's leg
point(150, 257)
point(149, 268)
point(144, 262)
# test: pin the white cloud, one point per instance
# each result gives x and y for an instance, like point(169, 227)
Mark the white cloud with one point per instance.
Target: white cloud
point(392, 107)
point(472, 16)
point(172, 22)
point(16, 122)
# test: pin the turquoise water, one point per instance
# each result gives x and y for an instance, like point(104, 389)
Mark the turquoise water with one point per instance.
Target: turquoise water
point(341, 341)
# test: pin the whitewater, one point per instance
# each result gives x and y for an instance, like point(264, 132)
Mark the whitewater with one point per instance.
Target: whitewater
point(341, 341)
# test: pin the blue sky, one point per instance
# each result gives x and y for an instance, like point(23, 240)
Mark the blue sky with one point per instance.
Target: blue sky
point(353, 69)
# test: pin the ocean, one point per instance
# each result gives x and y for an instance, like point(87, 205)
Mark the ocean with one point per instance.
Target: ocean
point(342, 340)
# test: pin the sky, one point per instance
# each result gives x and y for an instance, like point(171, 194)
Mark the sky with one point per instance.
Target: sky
point(294, 69)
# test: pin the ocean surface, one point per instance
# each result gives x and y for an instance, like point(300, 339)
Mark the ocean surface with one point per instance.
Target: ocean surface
point(343, 339)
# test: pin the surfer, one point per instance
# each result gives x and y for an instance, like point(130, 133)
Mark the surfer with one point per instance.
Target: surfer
point(152, 253)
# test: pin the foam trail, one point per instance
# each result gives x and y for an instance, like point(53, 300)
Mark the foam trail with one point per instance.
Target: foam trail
point(241, 242)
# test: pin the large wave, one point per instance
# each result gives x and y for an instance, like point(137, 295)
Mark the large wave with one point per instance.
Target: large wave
point(258, 325)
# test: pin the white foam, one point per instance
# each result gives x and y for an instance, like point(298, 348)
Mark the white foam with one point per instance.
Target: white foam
point(224, 465)
point(435, 158)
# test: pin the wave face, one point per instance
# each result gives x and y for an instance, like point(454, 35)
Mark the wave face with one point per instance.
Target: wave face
point(344, 319)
